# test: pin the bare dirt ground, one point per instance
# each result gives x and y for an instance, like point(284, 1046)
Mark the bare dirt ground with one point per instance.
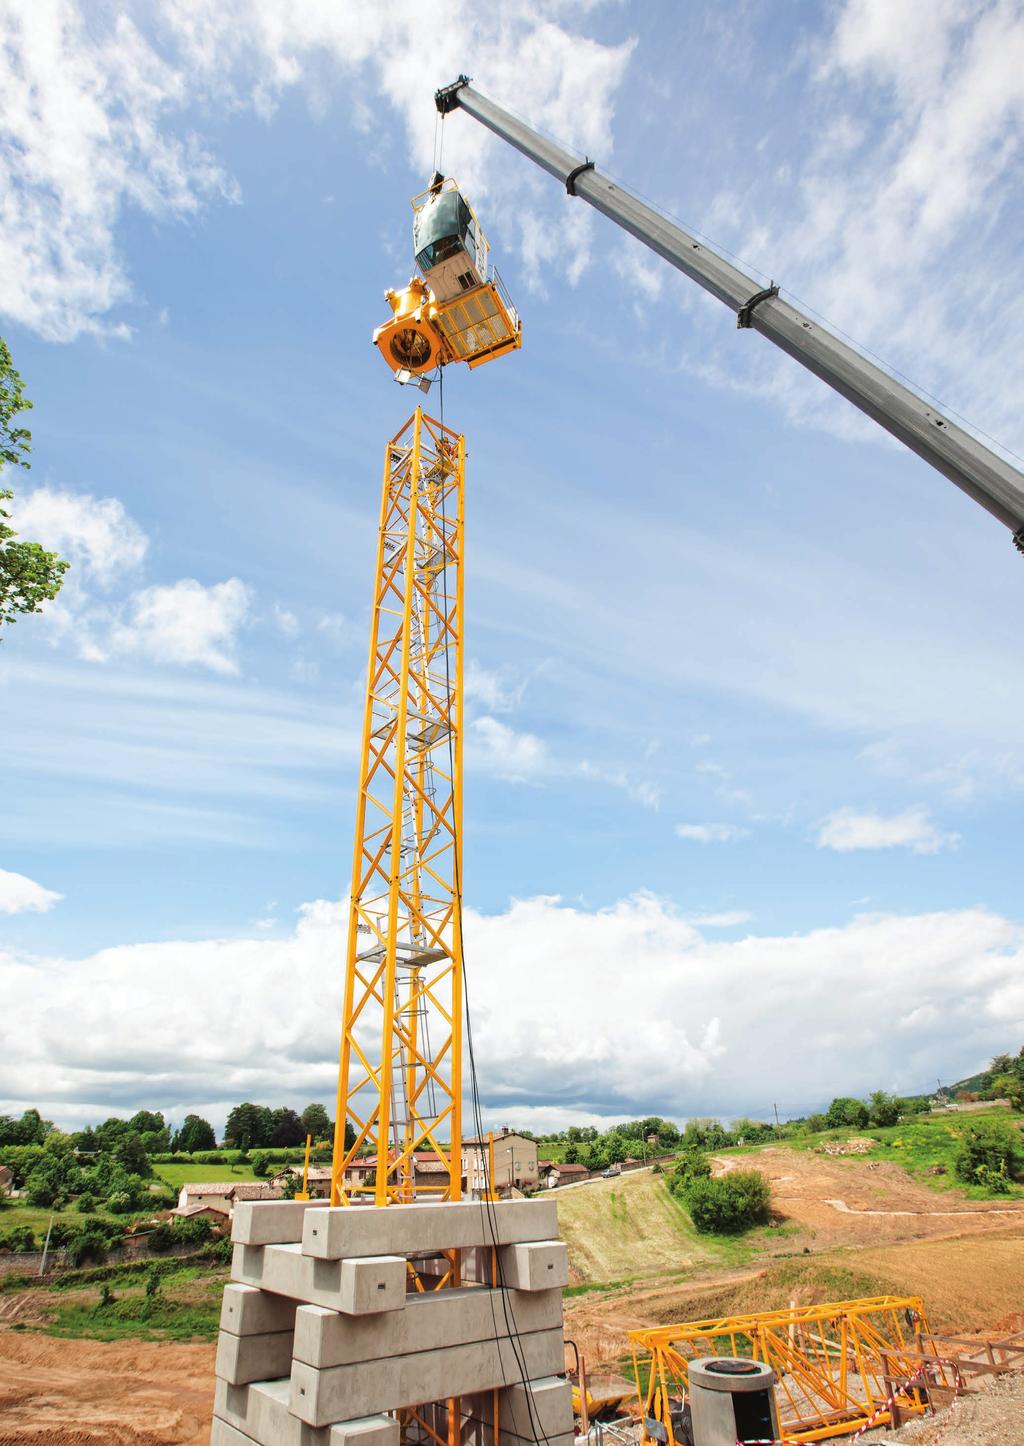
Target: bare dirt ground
point(88, 1393)
point(840, 1201)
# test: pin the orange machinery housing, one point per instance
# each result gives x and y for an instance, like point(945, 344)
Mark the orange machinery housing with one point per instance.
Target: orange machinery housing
point(459, 310)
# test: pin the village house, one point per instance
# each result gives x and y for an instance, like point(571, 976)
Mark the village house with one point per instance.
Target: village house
point(430, 1170)
point(561, 1174)
point(216, 1199)
point(318, 1181)
point(515, 1162)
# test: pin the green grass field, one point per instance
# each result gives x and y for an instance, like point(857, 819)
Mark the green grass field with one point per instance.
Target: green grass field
point(178, 1175)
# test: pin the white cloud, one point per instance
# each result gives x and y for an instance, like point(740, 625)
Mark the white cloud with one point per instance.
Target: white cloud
point(22, 895)
point(729, 919)
point(642, 790)
point(493, 688)
point(286, 622)
point(496, 748)
point(712, 832)
point(95, 102)
point(846, 830)
point(186, 623)
point(96, 534)
point(81, 137)
point(713, 1016)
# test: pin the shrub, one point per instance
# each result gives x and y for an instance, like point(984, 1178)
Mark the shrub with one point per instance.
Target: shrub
point(192, 1232)
point(988, 1156)
point(730, 1204)
point(89, 1246)
point(692, 1165)
point(162, 1238)
point(19, 1237)
point(260, 1164)
point(86, 1203)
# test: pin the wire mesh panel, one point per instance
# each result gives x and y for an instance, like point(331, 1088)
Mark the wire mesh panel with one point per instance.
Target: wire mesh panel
point(399, 1080)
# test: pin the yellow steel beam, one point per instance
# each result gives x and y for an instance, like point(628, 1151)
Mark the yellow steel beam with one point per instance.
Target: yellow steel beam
point(832, 1362)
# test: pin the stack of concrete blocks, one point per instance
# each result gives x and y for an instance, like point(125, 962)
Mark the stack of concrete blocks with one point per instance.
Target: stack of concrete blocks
point(325, 1335)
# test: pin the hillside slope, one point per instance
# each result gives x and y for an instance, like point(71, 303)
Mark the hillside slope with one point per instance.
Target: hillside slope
point(625, 1228)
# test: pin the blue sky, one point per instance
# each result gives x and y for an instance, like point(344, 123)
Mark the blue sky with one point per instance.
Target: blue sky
point(744, 758)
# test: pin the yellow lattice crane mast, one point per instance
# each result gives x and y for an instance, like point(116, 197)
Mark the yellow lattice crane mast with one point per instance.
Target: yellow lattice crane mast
point(400, 1072)
point(400, 1080)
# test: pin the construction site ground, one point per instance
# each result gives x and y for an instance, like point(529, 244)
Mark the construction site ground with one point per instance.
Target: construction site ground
point(844, 1227)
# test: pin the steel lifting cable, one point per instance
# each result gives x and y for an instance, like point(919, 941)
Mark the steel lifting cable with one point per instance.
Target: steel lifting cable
point(511, 1327)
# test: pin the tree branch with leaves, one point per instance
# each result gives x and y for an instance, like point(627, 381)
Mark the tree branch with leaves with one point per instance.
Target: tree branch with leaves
point(29, 575)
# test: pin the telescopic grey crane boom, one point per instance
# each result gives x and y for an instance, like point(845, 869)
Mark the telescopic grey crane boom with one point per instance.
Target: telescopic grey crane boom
point(977, 470)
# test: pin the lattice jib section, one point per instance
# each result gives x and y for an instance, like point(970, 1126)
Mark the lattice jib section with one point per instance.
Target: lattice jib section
point(400, 1076)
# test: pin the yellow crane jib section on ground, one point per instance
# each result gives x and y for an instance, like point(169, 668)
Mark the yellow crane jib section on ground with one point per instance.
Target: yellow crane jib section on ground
point(838, 1365)
point(400, 1072)
point(460, 309)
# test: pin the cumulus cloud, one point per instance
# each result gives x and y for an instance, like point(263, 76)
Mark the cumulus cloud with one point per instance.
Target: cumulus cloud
point(183, 623)
point(22, 895)
point(938, 991)
point(847, 830)
point(94, 121)
point(712, 832)
point(95, 533)
point(186, 623)
point(496, 748)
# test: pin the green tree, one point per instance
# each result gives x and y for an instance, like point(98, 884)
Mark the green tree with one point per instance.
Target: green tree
point(286, 1129)
point(844, 1110)
point(883, 1109)
point(261, 1163)
point(29, 575)
point(131, 1153)
point(30, 1129)
point(316, 1122)
point(249, 1127)
point(195, 1134)
point(730, 1204)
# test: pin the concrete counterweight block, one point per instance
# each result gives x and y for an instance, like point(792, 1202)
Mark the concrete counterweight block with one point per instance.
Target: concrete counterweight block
point(259, 1413)
point(284, 1270)
point(248, 1311)
point(428, 1322)
point(271, 1222)
point(541, 1408)
point(540, 1265)
point(340, 1393)
point(369, 1286)
point(241, 1359)
point(346, 1230)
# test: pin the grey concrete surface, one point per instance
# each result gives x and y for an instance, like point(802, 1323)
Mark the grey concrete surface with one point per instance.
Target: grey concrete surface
point(241, 1359)
point(270, 1222)
point(537, 1265)
point(249, 1311)
point(260, 1411)
point(284, 1270)
point(339, 1393)
point(347, 1230)
point(428, 1322)
point(372, 1285)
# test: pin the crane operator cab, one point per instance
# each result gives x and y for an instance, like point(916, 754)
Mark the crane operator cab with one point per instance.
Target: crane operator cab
point(459, 310)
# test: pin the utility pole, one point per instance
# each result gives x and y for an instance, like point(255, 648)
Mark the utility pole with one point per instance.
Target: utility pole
point(46, 1246)
point(776, 1109)
point(974, 468)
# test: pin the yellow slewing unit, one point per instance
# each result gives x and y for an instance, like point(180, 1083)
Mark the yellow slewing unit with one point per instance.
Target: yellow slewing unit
point(460, 310)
